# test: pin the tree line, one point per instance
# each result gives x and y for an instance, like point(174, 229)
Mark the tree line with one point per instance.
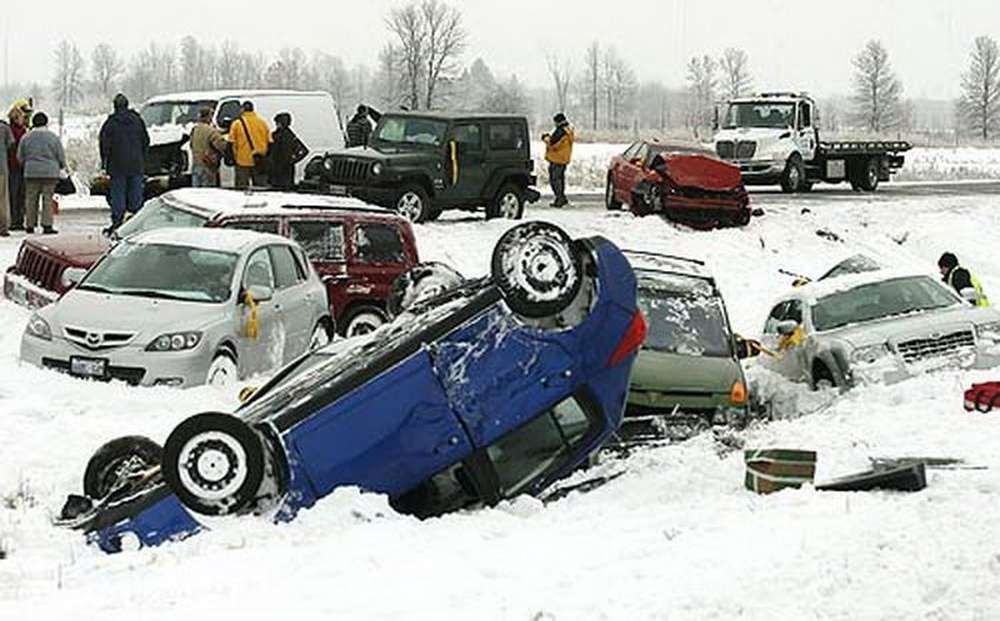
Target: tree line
point(421, 66)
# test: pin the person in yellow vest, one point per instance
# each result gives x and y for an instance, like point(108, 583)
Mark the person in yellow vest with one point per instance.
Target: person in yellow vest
point(250, 137)
point(962, 280)
point(558, 153)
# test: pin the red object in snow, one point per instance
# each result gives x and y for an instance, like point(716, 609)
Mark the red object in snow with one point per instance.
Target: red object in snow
point(982, 397)
point(685, 183)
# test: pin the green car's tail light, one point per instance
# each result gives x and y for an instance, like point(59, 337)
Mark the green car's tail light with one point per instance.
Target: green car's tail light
point(738, 394)
point(632, 341)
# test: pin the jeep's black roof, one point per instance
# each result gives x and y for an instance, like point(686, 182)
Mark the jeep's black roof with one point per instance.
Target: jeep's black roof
point(457, 116)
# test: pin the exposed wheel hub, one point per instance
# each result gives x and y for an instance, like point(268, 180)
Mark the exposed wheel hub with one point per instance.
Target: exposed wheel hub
point(213, 465)
point(409, 206)
point(542, 266)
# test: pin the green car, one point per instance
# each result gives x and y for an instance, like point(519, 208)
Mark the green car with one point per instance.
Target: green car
point(688, 375)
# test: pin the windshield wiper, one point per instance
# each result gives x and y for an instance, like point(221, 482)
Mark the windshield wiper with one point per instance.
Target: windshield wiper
point(151, 293)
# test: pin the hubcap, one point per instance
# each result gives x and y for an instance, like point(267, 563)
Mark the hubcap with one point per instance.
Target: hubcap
point(872, 176)
point(509, 205)
point(409, 206)
point(793, 176)
point(542, 266)
point(212, 465)
point(221, 373)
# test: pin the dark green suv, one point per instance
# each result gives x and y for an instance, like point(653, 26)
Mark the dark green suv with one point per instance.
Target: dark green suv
point(423, 163)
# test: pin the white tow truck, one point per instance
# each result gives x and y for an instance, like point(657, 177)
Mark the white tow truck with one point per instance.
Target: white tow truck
point(774, 139)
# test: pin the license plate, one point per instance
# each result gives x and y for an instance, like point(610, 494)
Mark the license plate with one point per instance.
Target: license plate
point(338, 190)
point(19, 295)
point(88, 367)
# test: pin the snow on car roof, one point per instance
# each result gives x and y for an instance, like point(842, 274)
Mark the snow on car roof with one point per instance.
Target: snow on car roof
point(239, 202)
point(227, 94)
point(655, 262)
point(224, 240)
point(818, 289)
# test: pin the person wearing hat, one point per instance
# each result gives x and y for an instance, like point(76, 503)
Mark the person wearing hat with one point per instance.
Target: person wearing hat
point(558, 153)
point(42, 158)
point(208, 145)
point(359, 128)
point(19, 117)
point(286, 151)
point(962, 280)
point(124, 142)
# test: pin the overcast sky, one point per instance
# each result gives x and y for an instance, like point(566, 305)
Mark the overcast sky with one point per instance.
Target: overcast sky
point(804, 45)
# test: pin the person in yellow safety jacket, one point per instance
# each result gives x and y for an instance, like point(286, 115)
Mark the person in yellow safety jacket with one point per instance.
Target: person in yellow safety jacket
point(250, 136)
point(962, 280)
point(558, 153)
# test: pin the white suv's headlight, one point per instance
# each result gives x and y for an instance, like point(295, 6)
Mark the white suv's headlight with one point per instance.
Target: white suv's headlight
point(175, 341)
point(870, 353)
point(39, 328)
point(989, 331)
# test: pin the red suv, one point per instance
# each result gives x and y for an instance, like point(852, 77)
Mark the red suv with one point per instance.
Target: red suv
point(357, 249)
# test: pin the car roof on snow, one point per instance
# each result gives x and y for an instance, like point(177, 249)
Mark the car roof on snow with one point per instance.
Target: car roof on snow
point(230, 94)
point(224, 240)
point(233, 202)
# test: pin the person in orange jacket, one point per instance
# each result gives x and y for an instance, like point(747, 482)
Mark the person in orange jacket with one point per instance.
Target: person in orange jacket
point(251, 138)
point(558, 153)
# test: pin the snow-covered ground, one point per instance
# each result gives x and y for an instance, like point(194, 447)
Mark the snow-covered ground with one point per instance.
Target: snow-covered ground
point(677, 537)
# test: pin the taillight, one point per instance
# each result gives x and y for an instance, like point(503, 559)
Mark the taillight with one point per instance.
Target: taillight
point(633, 339)
point(738, 394)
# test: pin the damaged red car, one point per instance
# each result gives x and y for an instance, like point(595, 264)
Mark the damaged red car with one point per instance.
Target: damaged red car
point(684, 183)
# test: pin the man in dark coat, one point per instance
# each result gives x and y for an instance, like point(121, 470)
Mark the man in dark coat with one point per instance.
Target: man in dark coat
point(962, 280)
point(286, 151)
point(124, 143)
point(359, 128)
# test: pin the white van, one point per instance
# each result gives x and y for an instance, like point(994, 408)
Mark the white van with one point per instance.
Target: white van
point(170, 117)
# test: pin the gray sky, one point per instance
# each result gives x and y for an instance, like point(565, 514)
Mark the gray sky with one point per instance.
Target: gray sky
point(803, 45)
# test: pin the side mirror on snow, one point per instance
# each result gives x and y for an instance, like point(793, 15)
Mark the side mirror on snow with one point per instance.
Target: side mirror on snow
point(747, 348)
point(260, 293)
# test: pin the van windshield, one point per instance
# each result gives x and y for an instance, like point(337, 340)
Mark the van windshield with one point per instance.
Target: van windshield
point(411, 130)
point(174, 112)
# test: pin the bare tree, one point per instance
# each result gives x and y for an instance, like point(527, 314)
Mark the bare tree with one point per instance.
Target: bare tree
point(106, 68)
point(229, 64)
point(67, 85)
point(877, 91)
point(332, 76)
point(620, 85)
point(592, 76)
point(507, 98)
point(446, 40)
point(702, 85)
point(980, 101)
point(736, 79)
point(387, 81)
point(408, 25)
point(561, 71)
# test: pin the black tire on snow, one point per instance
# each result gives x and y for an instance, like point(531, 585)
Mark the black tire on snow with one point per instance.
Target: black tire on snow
point(610, 203)
point(639, 206)
point(538, 269)
point(869, 175)
point(203, 466)
point(794, 174)
point(358, 311)
point(413, 203)
point(104, 468)
point(742, 218)
point(505, 195)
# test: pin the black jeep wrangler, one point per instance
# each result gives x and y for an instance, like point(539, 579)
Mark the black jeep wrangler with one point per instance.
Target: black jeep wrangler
point(423, 163)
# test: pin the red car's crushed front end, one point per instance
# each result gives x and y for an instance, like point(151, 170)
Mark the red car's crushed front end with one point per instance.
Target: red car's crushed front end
point(698, 190)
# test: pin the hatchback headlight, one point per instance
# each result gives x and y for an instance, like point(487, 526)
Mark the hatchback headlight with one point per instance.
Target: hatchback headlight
point(377, 168)
point(39, 328)
point(175, 341)
point(989, 331)
point(870, 353)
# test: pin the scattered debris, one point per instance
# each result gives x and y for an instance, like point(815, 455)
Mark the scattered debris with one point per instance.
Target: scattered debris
point(982, 397)
point(770, 470)
point(910, 477)
point(931, 463)
point(901, 239)
point(829, 235)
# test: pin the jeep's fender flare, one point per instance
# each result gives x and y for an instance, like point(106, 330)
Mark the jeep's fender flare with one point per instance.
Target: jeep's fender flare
point(502, 176)
point(419, 177)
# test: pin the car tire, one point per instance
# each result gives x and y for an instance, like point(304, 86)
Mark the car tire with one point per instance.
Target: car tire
point(321, 336)
point(114, 459)
point(609, 197)
point(869, 175)
point(214, 463)
point(823, 378)
point(538, 269)
point(223, 372)
point(742, 217)
point(793, 175)
point(422, 282)
point(639, 206)
point(508, 203)
point(413, 204)
point(363, 320)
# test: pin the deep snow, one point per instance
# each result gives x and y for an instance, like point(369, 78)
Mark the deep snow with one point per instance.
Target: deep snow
point(676, 537)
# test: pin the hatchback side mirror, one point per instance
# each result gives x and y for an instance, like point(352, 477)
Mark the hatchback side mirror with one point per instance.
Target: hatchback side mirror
point(787, 327)
point(747, 348)
point(260, 293)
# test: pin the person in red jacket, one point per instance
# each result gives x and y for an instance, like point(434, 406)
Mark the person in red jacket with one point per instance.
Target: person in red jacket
point(19, 115)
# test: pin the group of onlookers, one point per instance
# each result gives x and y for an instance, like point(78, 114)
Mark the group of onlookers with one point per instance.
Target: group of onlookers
point(32, 164)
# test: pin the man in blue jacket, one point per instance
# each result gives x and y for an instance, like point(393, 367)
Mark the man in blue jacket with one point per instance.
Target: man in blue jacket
point(124, 142)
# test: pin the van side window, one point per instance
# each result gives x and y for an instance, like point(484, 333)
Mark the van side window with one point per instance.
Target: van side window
point(378, 243)
point(322, 240)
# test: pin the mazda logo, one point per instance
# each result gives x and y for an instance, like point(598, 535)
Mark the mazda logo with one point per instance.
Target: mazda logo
point(93, 339)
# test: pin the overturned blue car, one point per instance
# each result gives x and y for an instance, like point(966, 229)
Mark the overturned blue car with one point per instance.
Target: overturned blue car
point(479, 390)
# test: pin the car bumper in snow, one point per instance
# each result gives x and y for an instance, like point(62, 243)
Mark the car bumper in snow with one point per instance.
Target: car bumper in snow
point(131, 364)
point(22, 291)
point(891, 369)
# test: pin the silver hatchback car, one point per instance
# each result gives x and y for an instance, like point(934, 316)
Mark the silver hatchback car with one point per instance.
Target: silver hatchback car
point(184, 307)
point(877, 326)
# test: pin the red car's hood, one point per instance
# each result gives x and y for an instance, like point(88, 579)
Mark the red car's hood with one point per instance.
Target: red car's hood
point(706, 173)
point(77, 250)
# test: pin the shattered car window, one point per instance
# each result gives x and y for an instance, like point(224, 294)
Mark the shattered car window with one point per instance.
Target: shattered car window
point(686, 319)
point(157, 214)
point(322, 241)
point(899, 296)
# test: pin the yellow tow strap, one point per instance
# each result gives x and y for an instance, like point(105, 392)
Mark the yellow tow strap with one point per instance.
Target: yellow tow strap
point(454, 163)
point(253, 324)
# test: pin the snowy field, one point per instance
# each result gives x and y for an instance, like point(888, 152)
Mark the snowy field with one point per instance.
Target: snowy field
point(677, 537)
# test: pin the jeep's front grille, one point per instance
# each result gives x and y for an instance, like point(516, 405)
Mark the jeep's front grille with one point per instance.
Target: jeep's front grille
point(746, 149)
point(97, 341)
point(725, 149)
point(346, 170)
point(40, 268)
point(916, 350)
